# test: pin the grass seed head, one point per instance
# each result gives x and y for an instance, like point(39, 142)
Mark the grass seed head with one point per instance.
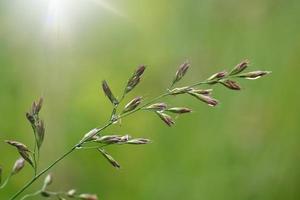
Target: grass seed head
point(205, 98)
point(231, 84)
point(138, 141)
point(113, 139)
point(110, 159)
point(181, 72)
point(165, 118)
point(239, 67)
point(133, 104)
point(108, 93)
point(204, 92)
point(217, 76)
point(254, 75)
point(179, 110)
point(157, 107)
point(135, 79)
point(181, 90)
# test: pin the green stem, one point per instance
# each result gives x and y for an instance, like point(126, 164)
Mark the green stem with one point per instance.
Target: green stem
point(31, 195)
point(42, 172)
point(6, 181)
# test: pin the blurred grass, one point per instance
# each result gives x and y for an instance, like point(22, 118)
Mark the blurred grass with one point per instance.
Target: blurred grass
point(247, 148)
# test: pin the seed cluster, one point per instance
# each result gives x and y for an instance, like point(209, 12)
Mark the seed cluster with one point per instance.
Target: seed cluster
point(97, 140)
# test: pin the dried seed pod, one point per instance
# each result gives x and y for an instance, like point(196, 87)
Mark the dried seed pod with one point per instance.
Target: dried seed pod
point(135, 79)
point(108, 93)
point(166, 118)
point(138, 141)
point(157, 107)
point(47, 181)
point(181, 72)
point(88, 197)
point(205, 98)
point(22, 149)
point(18, 166)
point(90, 135)
point(217, 76)
point(181, 90)
point(110, 159)
point(254, 75)
point(133, 104)
point(239, 67)
point(71, 193)
point(179, 110)
point(231, 84)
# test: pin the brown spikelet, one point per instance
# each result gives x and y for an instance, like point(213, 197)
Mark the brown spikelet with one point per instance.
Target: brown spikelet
point(239, 67)
point(205, 98)
point(157, 107)
point(181, 90)
point(231, 84)
point(134, 79)
point(110, 159)
point(133, 104)
point(217, 76)
point(108, 93)
point(204, 92)
point(90, 135)
point(138, 141)
point(22, 149)
point(113, 139)
point(254, 75)
point(181, 72)
point(166, 118)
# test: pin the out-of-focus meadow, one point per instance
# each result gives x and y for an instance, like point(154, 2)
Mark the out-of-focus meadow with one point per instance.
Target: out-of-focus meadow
point(246, 148)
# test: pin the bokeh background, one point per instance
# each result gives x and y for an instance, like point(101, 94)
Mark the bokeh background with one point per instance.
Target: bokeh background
point(246, 148)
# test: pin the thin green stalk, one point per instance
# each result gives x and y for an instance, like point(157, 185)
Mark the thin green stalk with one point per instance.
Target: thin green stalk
point(31, 195)
point(6, 181)
point(35, 152)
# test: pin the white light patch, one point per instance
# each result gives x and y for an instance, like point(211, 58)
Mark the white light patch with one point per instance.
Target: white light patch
point(103, 4)
point(57, 23)
point(62, 17)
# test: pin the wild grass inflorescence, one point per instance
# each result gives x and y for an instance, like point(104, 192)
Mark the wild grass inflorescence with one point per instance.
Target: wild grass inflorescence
point(94, 139)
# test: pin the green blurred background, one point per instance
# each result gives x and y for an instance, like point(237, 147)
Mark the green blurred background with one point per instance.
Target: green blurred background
point(246, 148)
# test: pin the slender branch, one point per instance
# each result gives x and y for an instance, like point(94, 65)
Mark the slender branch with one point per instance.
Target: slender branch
point(31, 195)
point(6, 181)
